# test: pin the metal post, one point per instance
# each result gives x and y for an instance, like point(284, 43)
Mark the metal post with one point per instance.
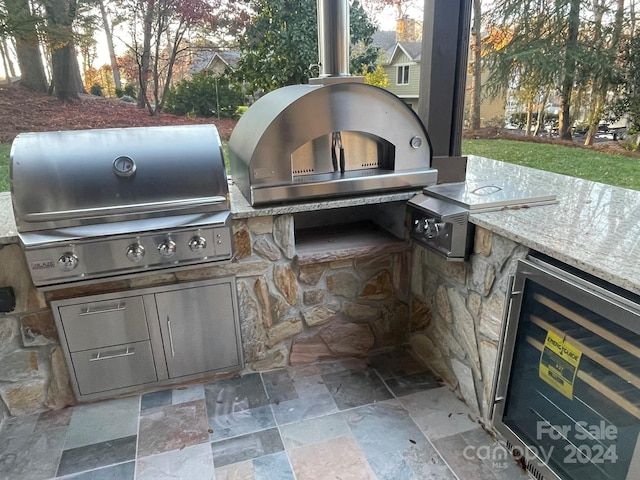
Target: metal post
point(443, 75)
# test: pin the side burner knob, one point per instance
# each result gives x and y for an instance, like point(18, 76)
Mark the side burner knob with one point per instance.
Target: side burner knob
point(433, 228)
point(135, 252)
point(67, 261)
point(167, 248)
point(197, 243)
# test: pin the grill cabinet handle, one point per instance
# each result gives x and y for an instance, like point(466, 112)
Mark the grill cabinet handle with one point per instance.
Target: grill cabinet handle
point(173, 352)
point(118, 308)
point(127, 353)
point(124, 209)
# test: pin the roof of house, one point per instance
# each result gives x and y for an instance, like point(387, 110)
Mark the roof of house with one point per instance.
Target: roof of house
point(203, 58)
point(384, 39)
point(412, 49)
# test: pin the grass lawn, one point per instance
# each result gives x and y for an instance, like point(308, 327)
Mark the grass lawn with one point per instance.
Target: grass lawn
point(4, 167)
point(576, 162)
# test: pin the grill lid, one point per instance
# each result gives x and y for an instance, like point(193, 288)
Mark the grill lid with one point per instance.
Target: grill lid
point(72, 178)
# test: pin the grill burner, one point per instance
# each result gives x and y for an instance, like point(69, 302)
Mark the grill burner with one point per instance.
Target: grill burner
point(93, 204)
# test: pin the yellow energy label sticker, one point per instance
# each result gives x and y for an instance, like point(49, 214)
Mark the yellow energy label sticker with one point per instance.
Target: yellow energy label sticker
point(559, 364)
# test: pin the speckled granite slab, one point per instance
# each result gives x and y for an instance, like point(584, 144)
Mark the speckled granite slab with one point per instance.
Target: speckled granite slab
point(240, 207)
point(594, 227)
point(8, 231)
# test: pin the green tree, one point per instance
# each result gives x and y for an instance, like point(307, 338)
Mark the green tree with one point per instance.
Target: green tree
point(23, 26)
point(523, 52)
point(543, 51)
point(607, 41)
point(65, 71)
point(377, 78)
point(280, 45)
point(205, 95)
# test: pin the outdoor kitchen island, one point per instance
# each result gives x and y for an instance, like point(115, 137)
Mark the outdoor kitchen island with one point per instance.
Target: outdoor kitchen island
point(368, 296)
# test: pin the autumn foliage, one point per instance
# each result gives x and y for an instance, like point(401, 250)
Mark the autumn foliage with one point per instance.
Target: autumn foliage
point(24, 111)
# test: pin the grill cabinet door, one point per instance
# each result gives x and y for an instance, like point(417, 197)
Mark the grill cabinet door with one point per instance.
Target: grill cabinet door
point(199, 329)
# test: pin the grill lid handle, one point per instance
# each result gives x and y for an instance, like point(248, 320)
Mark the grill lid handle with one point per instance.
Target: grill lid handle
point(125, 209)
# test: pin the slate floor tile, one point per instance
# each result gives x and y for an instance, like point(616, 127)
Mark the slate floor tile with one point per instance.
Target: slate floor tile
point(315, 430)
point(194, 462)
point(336, 458)
point(246, 447)
point(407, 384)
point(90, 457)
point(34, 456)
point(121, 471)
point(155, 399)
point(98, 422)
point(353, 388)
point(173, 427)
point(383, 418)
point(392, 443)
point(438, 413)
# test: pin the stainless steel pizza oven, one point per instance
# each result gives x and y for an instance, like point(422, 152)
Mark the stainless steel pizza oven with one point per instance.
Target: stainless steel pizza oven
point(95, 204)
point(334, 137)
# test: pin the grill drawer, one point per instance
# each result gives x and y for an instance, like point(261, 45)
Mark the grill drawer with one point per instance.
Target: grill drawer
point(100, 324)
point(110, 368)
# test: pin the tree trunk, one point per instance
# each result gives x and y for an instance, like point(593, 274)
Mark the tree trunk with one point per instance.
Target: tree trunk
point(67, 82)
point(112, 53)
point(569, 71)
point(541, 113)
point(27, 45)
point(65, 71)
point(603, 79)
point(529, 123)
point(144, 66)
point(476, 78)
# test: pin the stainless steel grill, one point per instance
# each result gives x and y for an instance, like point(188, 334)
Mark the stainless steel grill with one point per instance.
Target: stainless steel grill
point(99, 203)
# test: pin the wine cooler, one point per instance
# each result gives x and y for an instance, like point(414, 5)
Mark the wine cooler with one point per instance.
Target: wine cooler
point(567, 388)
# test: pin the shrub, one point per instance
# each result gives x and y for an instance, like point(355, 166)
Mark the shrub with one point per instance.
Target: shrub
point(520, 119)
point(204, 95)
point(127, 98)
point(96, 89)
point(130, 91)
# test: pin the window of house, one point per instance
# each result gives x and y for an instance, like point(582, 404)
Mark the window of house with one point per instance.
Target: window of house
point(403, 75)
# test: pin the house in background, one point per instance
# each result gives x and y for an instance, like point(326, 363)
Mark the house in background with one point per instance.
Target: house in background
point(401, 62)
point(403, 70)
point(214, 61)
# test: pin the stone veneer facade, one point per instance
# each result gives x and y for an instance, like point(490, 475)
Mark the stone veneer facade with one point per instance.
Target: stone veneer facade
point(465, 305)
point(298, 309)
point(293, 310)
point(341, 303)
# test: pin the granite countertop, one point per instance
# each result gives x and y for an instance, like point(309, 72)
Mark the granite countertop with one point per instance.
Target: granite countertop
point(593, 227)
point(240, 207)
point(8, 231)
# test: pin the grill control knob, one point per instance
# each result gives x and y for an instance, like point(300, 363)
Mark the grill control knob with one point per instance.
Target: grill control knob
point(135, 252)
point(67, 261)
point(419, 225)
point(197, 243)
point(433, 228)
point(167, 248)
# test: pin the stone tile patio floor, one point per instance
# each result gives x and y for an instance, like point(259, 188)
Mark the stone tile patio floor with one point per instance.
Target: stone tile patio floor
point(385, 418)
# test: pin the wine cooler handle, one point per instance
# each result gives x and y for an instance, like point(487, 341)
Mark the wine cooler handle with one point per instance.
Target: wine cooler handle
point(496, 396)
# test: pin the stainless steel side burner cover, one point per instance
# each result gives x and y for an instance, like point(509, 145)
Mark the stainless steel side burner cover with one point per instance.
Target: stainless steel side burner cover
point(441, 226)
point(488, 196)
